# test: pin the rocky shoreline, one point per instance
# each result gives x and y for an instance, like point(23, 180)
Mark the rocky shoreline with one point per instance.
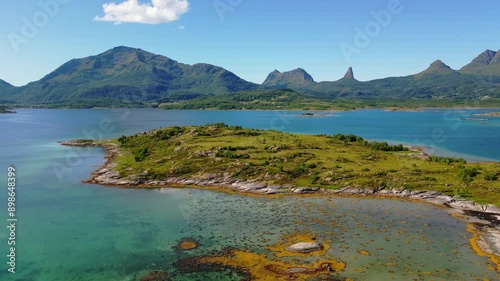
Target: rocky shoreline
point(491, 114)
point(483, 219)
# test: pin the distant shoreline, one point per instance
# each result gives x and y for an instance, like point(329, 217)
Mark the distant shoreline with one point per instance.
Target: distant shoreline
point(490, 114)
point(385, 108)
point(6, 110)
point(394, 106)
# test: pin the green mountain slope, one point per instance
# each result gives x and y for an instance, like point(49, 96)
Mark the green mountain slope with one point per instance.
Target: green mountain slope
point(256, 99)
point(6, 91)
point(5, 85)
point(127, 75)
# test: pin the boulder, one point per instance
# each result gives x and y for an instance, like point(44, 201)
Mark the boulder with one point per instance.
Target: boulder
point(305, 190)
point(305, 247)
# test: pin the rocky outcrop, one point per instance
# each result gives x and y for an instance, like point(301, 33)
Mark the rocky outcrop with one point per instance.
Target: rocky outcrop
point(4, 109)
point(305, 247)
point(490, 241)
point(482, 64)
point(80, 143)
point(350, 74)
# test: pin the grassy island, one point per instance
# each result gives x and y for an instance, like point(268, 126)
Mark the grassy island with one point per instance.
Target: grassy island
point(231, 154)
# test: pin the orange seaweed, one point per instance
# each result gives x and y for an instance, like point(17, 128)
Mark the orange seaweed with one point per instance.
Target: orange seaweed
point(476, 236)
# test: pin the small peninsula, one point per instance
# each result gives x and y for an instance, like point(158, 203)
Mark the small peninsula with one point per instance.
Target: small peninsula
point(4, 109)
point(235, 159)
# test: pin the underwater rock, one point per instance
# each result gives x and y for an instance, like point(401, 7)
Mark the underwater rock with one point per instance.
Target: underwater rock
point(364, 253)
point(305, 190)
point(156, 276)
point(187, 244)
point(305, 247)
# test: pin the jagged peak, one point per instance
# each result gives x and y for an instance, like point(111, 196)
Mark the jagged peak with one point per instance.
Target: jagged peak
point(486, 63)
point(496, 58)
point(296, 76)
point(484, 58)
point(349, 74)
point(273, 75)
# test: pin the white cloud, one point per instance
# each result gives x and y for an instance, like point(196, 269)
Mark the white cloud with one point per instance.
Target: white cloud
point(181, 27)
point(154, 12)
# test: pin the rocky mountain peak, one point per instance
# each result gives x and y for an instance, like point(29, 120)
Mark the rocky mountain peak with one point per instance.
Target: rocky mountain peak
point(484, 58)
point(349, 74)
point(294, 77)
point(487, 63)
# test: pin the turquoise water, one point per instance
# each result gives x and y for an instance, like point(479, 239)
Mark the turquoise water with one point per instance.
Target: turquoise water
point(73, 231)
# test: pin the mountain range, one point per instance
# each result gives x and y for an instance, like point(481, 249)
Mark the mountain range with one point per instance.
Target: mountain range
point(478, 79)
point(132, 76)
point(126, 75)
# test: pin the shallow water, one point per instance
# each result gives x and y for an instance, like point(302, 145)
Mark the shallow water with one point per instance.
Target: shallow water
point(405, 240)
point(72, 231)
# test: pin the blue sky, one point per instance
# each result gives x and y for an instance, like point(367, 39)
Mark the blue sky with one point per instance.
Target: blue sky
point(252, 37)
